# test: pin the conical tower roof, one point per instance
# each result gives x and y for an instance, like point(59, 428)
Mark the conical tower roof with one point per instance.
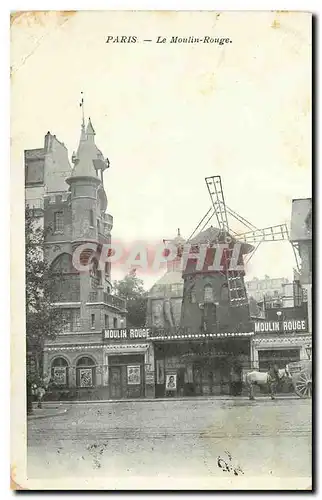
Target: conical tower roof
point(89, 159)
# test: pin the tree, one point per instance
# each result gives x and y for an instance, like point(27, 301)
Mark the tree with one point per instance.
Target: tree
point(42, 320)
point(254, 309)
point(132, 290)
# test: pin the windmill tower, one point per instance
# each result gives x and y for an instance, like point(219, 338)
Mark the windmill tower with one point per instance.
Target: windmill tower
point(215, 297)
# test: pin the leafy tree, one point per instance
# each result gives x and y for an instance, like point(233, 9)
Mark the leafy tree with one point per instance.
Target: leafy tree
point(132, 290)
point(42, 320)
point(254, 309)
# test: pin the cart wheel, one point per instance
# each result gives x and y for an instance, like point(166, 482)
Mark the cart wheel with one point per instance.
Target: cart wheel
point(303, 385)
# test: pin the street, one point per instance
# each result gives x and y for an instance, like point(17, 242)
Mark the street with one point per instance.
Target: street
point(174, 438)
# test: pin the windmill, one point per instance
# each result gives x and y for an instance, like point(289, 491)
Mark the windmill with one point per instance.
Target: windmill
point(253, 236)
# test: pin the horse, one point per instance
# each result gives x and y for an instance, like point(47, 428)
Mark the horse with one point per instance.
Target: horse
point(255, 377)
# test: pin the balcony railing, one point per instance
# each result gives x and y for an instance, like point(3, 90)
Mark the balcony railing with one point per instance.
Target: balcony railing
point(108, 299)
point(36, 203)
point(83, 325)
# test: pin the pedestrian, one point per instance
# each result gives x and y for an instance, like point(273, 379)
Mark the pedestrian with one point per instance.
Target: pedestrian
point(234, 380)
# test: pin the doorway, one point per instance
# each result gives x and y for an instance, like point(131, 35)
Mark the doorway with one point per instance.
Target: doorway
point(118, 389)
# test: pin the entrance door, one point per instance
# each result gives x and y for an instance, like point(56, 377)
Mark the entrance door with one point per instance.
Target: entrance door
point(116, 382)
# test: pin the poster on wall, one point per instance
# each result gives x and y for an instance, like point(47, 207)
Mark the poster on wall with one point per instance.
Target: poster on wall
point(85, 377)
point(60, 375)
point(133, 375)
point(171, 382)
point(160, 371)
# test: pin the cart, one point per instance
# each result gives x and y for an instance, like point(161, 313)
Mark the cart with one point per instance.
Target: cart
point(301, 374)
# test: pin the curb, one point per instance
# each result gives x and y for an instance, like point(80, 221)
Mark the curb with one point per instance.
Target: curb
point(34, 417)
point(155, 400)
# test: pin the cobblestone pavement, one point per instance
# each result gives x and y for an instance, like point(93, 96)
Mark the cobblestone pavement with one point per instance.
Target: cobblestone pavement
point(174, 438)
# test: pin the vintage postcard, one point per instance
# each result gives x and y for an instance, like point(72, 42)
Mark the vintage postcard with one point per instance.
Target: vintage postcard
point(161, 250)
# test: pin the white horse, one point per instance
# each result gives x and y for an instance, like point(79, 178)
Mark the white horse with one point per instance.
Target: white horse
point(264, 378)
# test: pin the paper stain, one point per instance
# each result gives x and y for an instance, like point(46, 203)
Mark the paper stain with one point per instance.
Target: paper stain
point(38, 16)
point(275, 24)
point(208, 84)
point(13, 484)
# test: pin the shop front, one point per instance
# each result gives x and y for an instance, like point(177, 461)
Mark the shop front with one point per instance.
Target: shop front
point(128, 363)
point(200, 365)
point(279, 343)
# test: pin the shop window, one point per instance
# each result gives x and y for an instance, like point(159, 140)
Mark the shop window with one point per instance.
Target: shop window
point(59, 222)
point(85, 372)
point(208, 294)
point(59, 372)
point(280, 357)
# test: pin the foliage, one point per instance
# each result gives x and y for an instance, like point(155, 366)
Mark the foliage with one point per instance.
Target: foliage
point(132, 290)
point(254, 310)
point(42, 320)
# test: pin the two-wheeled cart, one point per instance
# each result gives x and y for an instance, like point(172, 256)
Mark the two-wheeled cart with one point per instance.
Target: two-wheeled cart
point(301, 374)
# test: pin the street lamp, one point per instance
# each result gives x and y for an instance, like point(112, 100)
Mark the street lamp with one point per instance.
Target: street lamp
point(308, 349)
point(279, 314)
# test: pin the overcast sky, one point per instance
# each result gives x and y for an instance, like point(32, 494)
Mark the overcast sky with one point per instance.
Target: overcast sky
point(168, 115)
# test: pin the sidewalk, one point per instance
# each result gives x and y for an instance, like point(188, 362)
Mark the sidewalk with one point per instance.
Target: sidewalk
point(193, 398)
point(50, 409)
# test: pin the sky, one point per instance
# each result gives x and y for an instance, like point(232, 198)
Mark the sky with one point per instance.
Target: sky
point(169, 115)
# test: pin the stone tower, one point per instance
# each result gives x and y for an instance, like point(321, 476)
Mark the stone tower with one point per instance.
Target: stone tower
point(88, 201)
point(206, 305)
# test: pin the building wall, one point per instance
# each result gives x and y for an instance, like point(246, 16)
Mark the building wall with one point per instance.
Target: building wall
point(228, 318)
point(267, 287)
point(164, 312)
point(305, 251)
point(57, 166)
point(72, 354)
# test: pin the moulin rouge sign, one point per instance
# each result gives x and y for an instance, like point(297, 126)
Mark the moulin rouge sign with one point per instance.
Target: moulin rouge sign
point(294, 325)
point(126, 333)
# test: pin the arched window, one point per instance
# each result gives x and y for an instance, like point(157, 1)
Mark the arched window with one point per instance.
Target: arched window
point(63, 264)
point(59, 371)
point(85, 372)
point(208, 294)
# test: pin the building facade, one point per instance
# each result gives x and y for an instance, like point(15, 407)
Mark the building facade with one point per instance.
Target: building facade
point(207, 353)
point(71, 203)
point(285, 334)
point(301, 238)
point(269, 289)
point(165, 297)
